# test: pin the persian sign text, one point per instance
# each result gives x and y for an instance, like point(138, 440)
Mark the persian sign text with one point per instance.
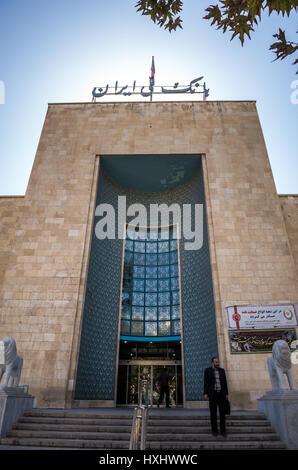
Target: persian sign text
point(261, 316)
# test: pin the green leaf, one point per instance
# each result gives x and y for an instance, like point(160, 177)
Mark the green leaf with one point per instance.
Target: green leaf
point(236, 16)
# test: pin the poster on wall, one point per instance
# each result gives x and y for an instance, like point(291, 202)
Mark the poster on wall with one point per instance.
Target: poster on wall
point(261, 316)
point(258, 341)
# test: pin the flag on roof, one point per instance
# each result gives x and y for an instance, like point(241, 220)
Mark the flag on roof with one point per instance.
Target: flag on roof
point(152, 79)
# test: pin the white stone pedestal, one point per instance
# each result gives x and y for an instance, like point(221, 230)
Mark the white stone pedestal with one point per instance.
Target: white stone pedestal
point(281, 408)
point(13, 402)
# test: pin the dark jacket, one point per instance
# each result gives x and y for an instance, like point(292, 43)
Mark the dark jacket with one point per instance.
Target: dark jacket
point(164, 378)
point(209, 382)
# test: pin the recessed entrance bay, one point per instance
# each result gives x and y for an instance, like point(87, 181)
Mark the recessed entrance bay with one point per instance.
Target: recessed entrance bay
point(147, 289)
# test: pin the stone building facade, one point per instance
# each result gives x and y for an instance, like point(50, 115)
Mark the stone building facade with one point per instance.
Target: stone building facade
point(46, 242)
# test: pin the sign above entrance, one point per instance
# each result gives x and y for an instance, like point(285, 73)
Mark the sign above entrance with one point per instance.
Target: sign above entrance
point(194, 87)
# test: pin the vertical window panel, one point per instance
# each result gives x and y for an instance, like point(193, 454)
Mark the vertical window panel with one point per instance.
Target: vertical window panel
point(150, 304)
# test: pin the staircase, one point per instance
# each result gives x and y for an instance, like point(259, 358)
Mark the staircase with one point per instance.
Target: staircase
point(190, 429)
point(172, 429)
point(71, 429)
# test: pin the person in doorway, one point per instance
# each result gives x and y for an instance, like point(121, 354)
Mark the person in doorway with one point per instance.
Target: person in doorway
point(216, 391)
point(164, 388)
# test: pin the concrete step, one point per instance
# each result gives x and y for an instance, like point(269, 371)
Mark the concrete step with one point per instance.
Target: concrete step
point(172, 416)
point(215, 445)
point(82, 435)
point(151, 428)
point(72, 427)
point(248, 430)
point(110, 429)
point(69, 429)
point(206, 422)
point(77, 414)
point(63, 443)
point(166, 445)
point(209, 437)
point(104, 433)
point(75, 421)
point(206, 429)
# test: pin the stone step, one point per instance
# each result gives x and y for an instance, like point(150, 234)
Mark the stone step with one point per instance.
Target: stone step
point(151, 428)
point(209, 437)
point(40, 412)
point(204, 429)
point(20, 447)
point(128, 422)
point(120, 433)
point(206, 422)
point(169, 416)
point(80, 435)
point(75, 421)
point(72, 427)
point(154, 414)
point(215, 445)
point(63, 443)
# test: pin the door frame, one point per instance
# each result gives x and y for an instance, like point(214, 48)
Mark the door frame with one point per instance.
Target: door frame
point(151, 364)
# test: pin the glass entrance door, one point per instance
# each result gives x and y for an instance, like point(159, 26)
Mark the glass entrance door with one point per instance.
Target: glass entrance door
point(175, 387)
point(132, 372)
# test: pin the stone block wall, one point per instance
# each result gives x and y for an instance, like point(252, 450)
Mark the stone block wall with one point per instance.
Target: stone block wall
point(289, 206)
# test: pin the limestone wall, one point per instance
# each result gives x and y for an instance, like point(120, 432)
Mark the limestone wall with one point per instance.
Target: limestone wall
point(289, 206)
point(43, 280)
point(11, 208)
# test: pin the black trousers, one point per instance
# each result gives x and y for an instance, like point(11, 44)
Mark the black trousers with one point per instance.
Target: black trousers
point(217, 400)
point(164, 389)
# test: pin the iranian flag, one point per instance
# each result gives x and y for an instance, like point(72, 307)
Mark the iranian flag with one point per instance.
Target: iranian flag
point(152, 80)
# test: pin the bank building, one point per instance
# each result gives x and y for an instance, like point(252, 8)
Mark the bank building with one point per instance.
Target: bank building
point(94, 315)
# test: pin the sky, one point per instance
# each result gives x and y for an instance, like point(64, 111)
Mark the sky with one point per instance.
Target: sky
point(59, 50)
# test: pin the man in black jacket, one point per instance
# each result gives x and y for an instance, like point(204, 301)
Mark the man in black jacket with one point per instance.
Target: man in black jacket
point(216, 390)
point(164, 388)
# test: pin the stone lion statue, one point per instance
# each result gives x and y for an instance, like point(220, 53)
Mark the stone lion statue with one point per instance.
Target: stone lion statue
point(10, 362)
point(280, 364)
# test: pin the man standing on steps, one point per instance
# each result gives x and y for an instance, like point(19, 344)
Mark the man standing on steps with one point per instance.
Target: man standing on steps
point(216, 390)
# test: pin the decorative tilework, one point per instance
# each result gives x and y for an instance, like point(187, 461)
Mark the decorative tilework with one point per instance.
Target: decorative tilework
point(97, 356)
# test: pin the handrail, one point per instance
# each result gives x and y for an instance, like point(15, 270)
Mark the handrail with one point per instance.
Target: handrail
point(139, 422)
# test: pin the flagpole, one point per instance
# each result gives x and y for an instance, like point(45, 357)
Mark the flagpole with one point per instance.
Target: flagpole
point(152, 79)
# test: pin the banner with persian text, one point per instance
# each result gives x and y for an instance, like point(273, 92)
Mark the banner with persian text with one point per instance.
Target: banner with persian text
point(258, 341)
point(261, 316)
